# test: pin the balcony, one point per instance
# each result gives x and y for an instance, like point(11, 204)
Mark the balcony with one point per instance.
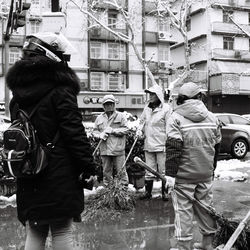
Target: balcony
point(228, 28)
point(102, 34)
point(237, 55)
point(105, 5)
point(108, 65)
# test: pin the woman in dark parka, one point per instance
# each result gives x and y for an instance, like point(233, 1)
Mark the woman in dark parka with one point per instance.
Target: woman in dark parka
point(53, 199)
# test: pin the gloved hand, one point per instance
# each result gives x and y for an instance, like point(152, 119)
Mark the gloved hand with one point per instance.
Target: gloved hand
point(170, 181)
point(103, 136)
point(139, 133)
point(108, 130)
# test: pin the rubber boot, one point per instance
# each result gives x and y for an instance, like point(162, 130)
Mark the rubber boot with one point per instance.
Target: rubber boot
point(164, 192)
point(206, 243)
point(148, 190)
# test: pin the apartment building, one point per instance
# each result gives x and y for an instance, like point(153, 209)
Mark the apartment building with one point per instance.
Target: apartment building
point(104, 63)
point(221, 47)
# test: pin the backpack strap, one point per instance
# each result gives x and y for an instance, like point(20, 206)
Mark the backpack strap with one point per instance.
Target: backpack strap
point(57, 135)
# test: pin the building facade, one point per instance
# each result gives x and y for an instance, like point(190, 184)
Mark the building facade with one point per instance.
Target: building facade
point(221, 47)
point(104, 63)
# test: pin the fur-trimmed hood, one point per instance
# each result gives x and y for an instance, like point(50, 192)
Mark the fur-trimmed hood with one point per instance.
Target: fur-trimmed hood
point(30, 79)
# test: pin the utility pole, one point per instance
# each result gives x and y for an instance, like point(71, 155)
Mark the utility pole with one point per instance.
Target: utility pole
point(6, 39)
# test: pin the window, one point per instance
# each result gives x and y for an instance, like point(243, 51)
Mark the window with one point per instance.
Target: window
point(239, 120)
point(14, 55)
point(97, 81)
point(112, 20)
point(116, 51)
point(116, 82)
point(188, 24)
point(95, 50)
point(228, 42)
point(35, 26)
point(224, 119)
point(226, 16)
point(163, 52)
point(164, 25)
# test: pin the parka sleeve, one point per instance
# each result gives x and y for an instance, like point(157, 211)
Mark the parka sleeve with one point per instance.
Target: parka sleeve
point(174, 145)
point(73, 132)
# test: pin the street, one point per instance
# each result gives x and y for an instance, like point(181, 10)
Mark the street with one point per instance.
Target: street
point(149, 226)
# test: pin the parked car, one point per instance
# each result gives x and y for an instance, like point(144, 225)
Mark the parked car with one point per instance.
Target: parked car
point(247, 116)
point(235, 137)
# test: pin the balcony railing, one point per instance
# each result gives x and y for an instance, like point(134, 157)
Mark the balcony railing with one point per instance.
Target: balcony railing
point(229, 28)
point(108, 65)
point(102, 34)
point(238, 55)
point(104, 4)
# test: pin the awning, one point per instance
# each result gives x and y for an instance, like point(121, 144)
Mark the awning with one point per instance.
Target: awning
point(219, 67)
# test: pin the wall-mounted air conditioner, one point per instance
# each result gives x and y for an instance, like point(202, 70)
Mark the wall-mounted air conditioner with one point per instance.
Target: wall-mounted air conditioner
point(164, 64)
point(163, 35)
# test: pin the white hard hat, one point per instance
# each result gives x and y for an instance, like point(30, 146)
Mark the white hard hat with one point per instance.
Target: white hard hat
point(52, 45)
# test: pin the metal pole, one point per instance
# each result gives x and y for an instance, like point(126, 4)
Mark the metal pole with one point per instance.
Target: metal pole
point(6, 57)
point(6, 89)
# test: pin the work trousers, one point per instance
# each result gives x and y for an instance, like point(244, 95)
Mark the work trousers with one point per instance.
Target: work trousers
point(111, 164)
point(186, 210)
point(155, 160)
point(61, 232)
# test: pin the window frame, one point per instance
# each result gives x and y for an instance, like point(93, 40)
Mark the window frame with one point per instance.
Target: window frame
point(102, 81)
point(94, 50)
point(225, 16)
point(120, 82)
point(228, 43)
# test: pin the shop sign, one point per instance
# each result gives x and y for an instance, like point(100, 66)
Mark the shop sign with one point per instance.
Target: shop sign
point(2, 106)
point(94, 100)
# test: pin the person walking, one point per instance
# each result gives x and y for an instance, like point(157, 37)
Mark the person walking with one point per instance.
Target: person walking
point(111, 127)
point(51, 200)
point(192, 146)
point(153, 129)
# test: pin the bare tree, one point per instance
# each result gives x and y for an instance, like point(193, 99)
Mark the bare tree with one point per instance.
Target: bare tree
point(129, 17)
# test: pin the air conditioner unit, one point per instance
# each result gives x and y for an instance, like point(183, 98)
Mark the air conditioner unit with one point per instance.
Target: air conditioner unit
point(164, 64)
point(163, 35)
point(237, 54)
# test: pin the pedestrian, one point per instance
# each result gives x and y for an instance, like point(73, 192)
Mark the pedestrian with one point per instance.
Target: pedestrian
point(54, 198)
point(153, 129)
point(111, 127)
point(192, 146)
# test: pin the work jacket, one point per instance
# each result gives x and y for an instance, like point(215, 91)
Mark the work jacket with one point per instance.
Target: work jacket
point(115, 143)
point(154, 122)
point(198, 130)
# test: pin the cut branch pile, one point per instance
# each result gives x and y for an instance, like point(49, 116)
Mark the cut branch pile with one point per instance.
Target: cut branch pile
point(109, 203)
